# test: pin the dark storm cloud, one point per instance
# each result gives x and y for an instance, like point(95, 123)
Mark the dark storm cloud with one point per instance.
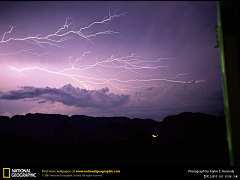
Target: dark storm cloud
point(69, 95)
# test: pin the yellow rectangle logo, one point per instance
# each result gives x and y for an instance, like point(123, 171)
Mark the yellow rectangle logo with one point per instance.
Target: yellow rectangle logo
point(6, 172)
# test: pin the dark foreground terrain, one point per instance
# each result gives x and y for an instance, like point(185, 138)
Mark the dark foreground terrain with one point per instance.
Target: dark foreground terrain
point(187, 139)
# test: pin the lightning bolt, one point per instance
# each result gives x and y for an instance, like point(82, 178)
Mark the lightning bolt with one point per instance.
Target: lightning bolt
point(140, 72)
point(127, 64)
point(30, 51)
point(60, 36)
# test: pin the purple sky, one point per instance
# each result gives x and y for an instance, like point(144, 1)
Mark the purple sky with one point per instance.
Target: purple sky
point(134, 59)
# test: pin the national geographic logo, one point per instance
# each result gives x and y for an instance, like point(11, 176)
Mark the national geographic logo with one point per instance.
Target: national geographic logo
point(17, 173)
point(6, 172)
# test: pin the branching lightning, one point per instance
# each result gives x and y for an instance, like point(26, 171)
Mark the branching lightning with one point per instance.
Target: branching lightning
point(105, 71)
point(60, 36)
point(128, 64)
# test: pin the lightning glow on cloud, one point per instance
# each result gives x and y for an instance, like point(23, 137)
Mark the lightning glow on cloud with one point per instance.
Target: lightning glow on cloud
point(114, 67)
point(131, 64)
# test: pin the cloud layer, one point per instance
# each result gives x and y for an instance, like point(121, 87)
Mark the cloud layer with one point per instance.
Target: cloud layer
point(69, 96)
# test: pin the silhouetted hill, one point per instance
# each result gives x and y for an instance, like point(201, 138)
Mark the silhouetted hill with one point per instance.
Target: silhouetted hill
point(44, 125)
point(44, 139)
point(194, 139)
point(192, 126)
point(35, 125)
point(185, 125)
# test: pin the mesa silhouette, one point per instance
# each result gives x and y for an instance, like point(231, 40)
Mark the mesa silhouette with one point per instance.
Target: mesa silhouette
point(44, 125)
point(46, 139)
